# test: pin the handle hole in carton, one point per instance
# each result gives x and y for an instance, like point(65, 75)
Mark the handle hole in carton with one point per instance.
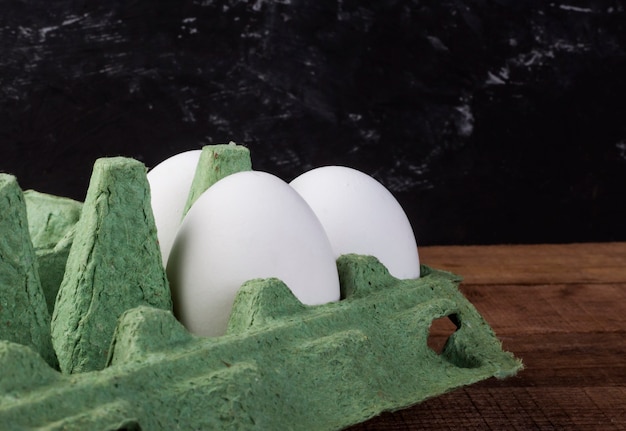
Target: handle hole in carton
point(440, 330)
point(128, 425)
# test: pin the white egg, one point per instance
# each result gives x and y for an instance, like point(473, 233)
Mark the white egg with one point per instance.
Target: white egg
point(247, 225)
point(361, 216)
point(170, 182)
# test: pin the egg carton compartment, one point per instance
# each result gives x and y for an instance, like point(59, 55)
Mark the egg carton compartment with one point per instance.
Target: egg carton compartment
point(128, 364)
point(282, 365)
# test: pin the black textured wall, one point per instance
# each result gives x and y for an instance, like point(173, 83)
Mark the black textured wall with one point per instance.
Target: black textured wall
point(491, 121)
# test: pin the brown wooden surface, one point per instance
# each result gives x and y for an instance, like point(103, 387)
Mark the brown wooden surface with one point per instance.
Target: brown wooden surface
point(562, 309)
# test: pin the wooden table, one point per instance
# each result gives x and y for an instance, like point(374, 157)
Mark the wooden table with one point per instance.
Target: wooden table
point(562, 309)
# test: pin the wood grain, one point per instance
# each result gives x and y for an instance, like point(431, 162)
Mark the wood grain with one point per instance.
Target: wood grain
point(562, 309)
point(532, 264)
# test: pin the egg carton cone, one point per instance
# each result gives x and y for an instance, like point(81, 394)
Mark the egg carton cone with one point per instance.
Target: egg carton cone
point(280, 365)
point(51, 222)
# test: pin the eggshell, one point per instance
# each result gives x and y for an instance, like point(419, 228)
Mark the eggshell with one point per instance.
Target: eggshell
point(247, 225)
point(170, 182)
point(361, 216)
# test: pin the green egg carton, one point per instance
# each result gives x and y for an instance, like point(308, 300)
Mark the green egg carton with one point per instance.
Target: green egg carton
point(128, 364)
point(282, 365)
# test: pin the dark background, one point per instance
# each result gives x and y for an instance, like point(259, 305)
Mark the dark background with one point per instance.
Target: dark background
point(490, 121)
